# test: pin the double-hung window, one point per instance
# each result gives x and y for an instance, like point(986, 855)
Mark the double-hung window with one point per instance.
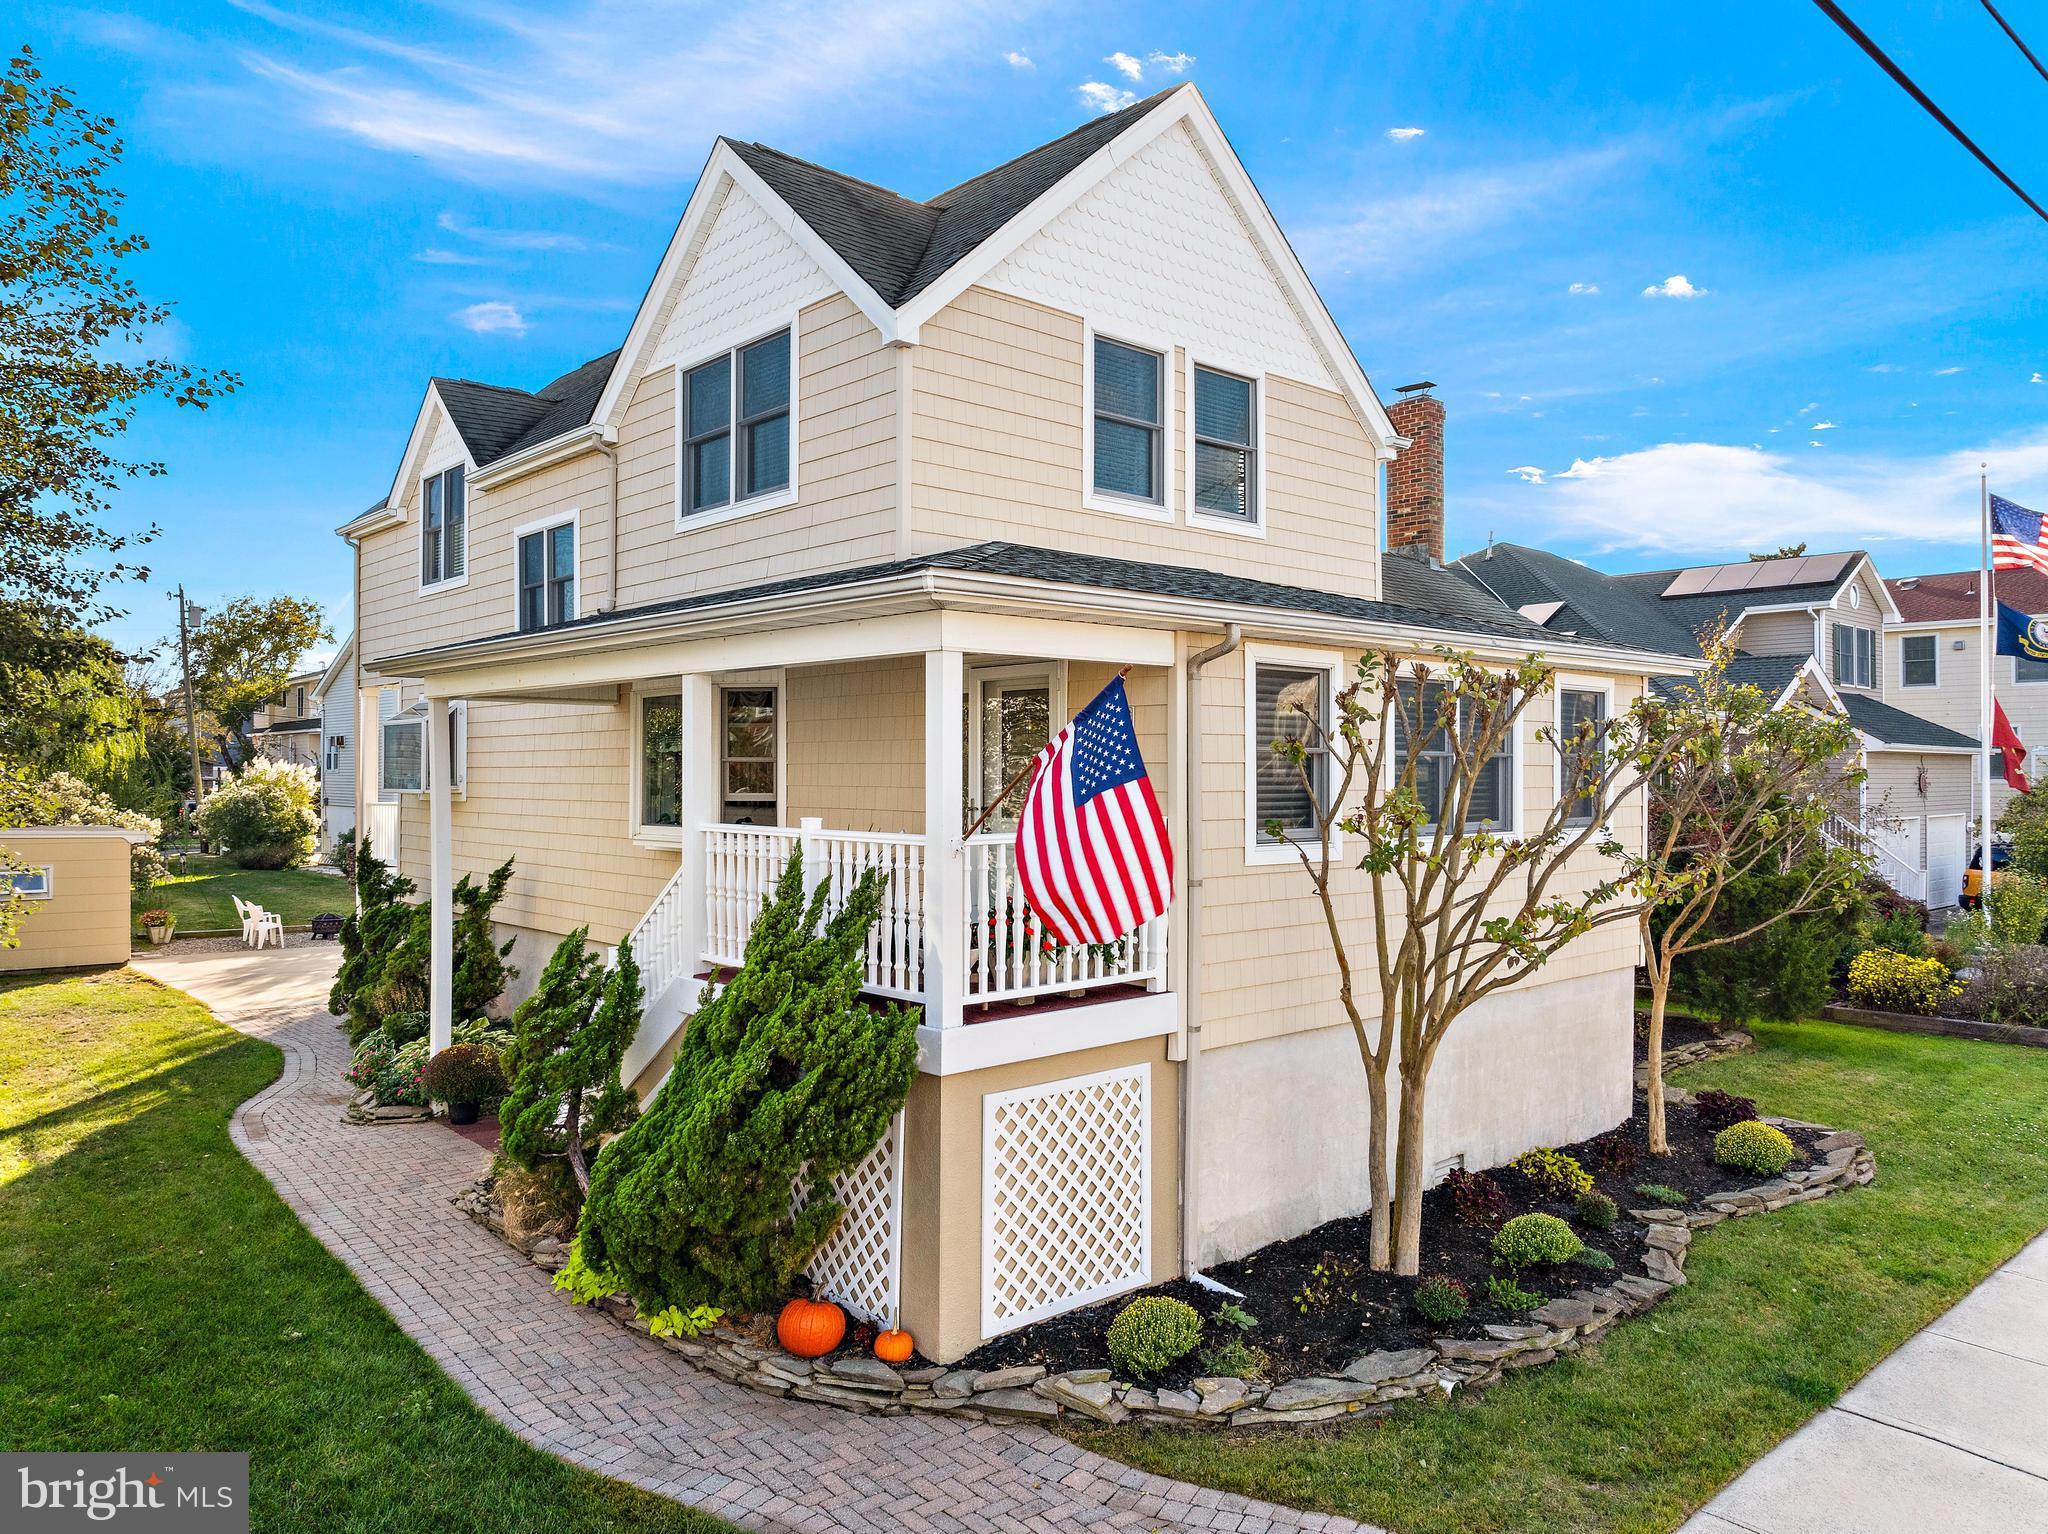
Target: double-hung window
point(1226, 450)
point(748, 757)
point(1855, 656)
point(1918, 661)
point(1581, 732)
point(1129, 424)
point(1290, 704)
point(1436, 770)
point(444, 544)
point(547, 576)
point(735, 426)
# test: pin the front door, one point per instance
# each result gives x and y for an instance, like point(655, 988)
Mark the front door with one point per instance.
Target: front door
point(1012, 714)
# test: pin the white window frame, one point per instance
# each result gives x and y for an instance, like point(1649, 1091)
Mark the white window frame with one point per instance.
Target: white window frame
point(1137, 339)
point(638, 831)
point(1216, 522)
point(446, 582)
point(1257, 851)
point(1932, 639)
point(47, 870)
point(1869, 636)
point(458, 725)
point(1561, 685)
point(573, 517)
point(1052, 673)
point(1519, 747)
point(689, 521)
point(740, 681)
point(402, 720)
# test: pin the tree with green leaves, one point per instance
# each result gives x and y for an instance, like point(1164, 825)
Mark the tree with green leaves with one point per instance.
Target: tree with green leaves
point(242, 652)
point(76, 337)
point(387, 948)
point(568, 1040)
point(721, 1192)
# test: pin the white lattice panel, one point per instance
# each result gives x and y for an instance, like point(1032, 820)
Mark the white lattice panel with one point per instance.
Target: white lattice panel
point(860, 1266)
point(1066, 1212)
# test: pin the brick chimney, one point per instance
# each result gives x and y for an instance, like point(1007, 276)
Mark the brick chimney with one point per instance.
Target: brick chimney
point(1415, 479)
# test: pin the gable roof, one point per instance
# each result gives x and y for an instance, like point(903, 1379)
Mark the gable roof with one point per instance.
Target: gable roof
point(1952, 595)
point(496, 420)
point(1889, 726)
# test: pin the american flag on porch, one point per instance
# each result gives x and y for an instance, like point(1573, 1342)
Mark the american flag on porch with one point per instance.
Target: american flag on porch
point(2019, 537)
point(1093, 858)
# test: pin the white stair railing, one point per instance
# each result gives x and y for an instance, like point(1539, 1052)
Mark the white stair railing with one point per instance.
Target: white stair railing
point(661, 941)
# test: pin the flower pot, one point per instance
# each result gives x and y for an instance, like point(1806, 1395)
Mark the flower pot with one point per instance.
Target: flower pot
point(158, 935)
point(462, 1113)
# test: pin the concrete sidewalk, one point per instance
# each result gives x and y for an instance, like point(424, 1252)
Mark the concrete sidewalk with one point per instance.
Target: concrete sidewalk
point(1949, 1434)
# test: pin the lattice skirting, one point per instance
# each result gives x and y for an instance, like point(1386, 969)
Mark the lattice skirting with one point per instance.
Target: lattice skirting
point(861, 1266)
point(1066, 1195)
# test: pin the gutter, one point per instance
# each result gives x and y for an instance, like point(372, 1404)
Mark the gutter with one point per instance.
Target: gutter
point(1191, 939)
point(541, 454)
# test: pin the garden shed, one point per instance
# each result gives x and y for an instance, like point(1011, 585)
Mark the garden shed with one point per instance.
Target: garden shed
point(75, 889)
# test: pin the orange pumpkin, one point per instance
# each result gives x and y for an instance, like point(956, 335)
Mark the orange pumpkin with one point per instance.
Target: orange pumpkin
point(894, 1346)
point(810, 1328)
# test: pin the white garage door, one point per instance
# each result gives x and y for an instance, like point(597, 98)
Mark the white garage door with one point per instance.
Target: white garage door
point(1946, 835)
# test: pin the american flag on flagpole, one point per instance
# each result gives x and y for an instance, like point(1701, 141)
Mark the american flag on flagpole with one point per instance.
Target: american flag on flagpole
point(2019, 537)
point(1093, 858)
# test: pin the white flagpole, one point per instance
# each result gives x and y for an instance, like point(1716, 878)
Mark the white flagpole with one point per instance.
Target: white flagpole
point(1984, 699)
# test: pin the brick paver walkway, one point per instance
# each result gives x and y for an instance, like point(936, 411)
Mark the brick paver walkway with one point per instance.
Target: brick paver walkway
point(590, 1391)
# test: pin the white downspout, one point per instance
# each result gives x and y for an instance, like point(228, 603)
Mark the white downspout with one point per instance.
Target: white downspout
point(1191, 938)
point(608, 444)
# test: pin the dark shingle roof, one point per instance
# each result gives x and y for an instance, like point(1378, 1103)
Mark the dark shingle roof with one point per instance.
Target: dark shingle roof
point(1431, 599)
point(495, 420)
point(1896, 727)
point(1701, 612)
point(1769, 674)
point(1597, 605)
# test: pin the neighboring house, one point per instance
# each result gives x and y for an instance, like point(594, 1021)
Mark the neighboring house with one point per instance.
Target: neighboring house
point(334, 701)
point(287, 727)
point(1933, 667)
point(73, 883)
point(1812, 628)
point(873, 496)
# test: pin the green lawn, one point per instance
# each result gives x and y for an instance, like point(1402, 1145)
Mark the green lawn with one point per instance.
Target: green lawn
point(156, 1293)
point(1784, 1312)
point(199, 899)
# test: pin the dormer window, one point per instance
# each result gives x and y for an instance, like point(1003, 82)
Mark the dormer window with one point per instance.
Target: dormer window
point(1129, 422)
point(444, 519)
point(736, 441)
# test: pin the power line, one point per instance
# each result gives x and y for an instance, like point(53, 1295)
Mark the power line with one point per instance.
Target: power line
point(1862, 40)
point(2006, 27)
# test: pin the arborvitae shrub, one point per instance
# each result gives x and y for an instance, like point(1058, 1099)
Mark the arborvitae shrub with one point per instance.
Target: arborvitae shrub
point(785, 1073)
point(568, 1038)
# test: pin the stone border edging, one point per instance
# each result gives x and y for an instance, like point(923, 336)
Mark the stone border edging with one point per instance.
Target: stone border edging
point(1733, 1042)
point(363, 1109)
point(1942, 1027)
point(1367, 1386)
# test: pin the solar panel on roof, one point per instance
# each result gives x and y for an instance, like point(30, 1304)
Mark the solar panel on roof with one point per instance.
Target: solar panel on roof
point(1690, 582)
point(1759, 575)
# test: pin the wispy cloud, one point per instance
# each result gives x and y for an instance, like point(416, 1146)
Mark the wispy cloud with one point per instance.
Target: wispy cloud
point(1172, 63)
point(1729, 497)
point(2037, 378)
point(1882, 367)
point(1674, 286)
point(1587, 288)
point(603, 94)
point(1100, 97)
point(1822, 426)
point(492, 318)
point(1947, 372)
point(1529, 474)
point(435, 255)
point(1130, 68)
point(1403, 135)
point(515, 239)
point(1018, 60)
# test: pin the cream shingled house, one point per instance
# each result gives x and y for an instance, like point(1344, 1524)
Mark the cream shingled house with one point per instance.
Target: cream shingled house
point(874, 495)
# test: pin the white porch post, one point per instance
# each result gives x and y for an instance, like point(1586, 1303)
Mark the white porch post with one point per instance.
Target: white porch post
point(945, 873)
point(700, 795)
point(441, 880)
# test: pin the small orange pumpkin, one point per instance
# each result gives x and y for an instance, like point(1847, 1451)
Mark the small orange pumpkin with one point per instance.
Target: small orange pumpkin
point(894, 1346)
point(810, 1328)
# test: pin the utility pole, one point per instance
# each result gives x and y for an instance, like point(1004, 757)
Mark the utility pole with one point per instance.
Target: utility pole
point(185, 685)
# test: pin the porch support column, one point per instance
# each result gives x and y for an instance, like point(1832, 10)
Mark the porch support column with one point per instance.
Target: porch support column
point(441, 879)
point(945, 869)
point(700, 799)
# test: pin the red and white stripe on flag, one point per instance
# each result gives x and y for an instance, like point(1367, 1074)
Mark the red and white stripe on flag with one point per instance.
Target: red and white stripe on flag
point(1093, 857)
point(2019, 537)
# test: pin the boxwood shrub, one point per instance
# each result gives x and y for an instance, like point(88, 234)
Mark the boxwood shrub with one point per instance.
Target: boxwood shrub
point(1754, 1146)
point(1153, 1332)
point(1532, 1240)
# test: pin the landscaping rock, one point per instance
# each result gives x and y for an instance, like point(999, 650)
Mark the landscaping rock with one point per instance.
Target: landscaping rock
point(1477, 1351)
point(1140, 1400)
point(1176, 1403)
point(1256, 1416)
point(867, 1373)
point(1021, 1404)
point(1313, 1391)
point(1084, 1376)
point(1091, 1398)
point(1564, 1313)
point(1659, 1216)
point(1221, 1395)
point(954, 1382)
point(1375, 1368)
point(1015, 1377)
point(1662, 1266)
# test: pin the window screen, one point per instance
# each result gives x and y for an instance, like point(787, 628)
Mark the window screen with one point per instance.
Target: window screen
point(1128, 430)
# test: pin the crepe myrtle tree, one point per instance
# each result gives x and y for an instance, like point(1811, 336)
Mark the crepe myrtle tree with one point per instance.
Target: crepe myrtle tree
point(1743, 787)
point(1461, 907)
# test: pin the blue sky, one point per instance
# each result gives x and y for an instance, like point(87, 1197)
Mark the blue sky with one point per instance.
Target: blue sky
point(1693, 279)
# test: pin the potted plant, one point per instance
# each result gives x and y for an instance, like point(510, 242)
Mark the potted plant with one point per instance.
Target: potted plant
point(159, 924)
point(465, 1076)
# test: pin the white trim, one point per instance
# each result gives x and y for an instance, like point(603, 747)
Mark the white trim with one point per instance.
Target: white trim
point(1905, 685)
point(343, 658)
point(543, 454)
point(1186, 105)
point(768, 500)
point(1562, 683)
point(1093, 499)
point(14, 891)
point(133, 838)
point(1331, 663)
point(1054, 673)
point(655, 838)
point(573, 517)
point(776, 678)
point(1039, 1035)
point(1216, 522)
point(439, 467)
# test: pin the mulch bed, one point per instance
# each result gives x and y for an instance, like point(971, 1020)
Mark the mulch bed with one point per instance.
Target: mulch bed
point(1679, 1029)
point(1351, 1310)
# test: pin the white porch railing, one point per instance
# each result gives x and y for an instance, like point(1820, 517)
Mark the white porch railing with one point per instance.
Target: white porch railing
point(1009, 954)
point(661, 940)
point(741, 866)
point(1885, 863)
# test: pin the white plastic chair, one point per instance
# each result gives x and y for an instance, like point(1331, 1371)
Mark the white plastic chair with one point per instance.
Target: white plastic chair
point(258, 925)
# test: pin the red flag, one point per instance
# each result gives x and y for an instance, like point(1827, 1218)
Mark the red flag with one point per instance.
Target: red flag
point(2007, 740)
